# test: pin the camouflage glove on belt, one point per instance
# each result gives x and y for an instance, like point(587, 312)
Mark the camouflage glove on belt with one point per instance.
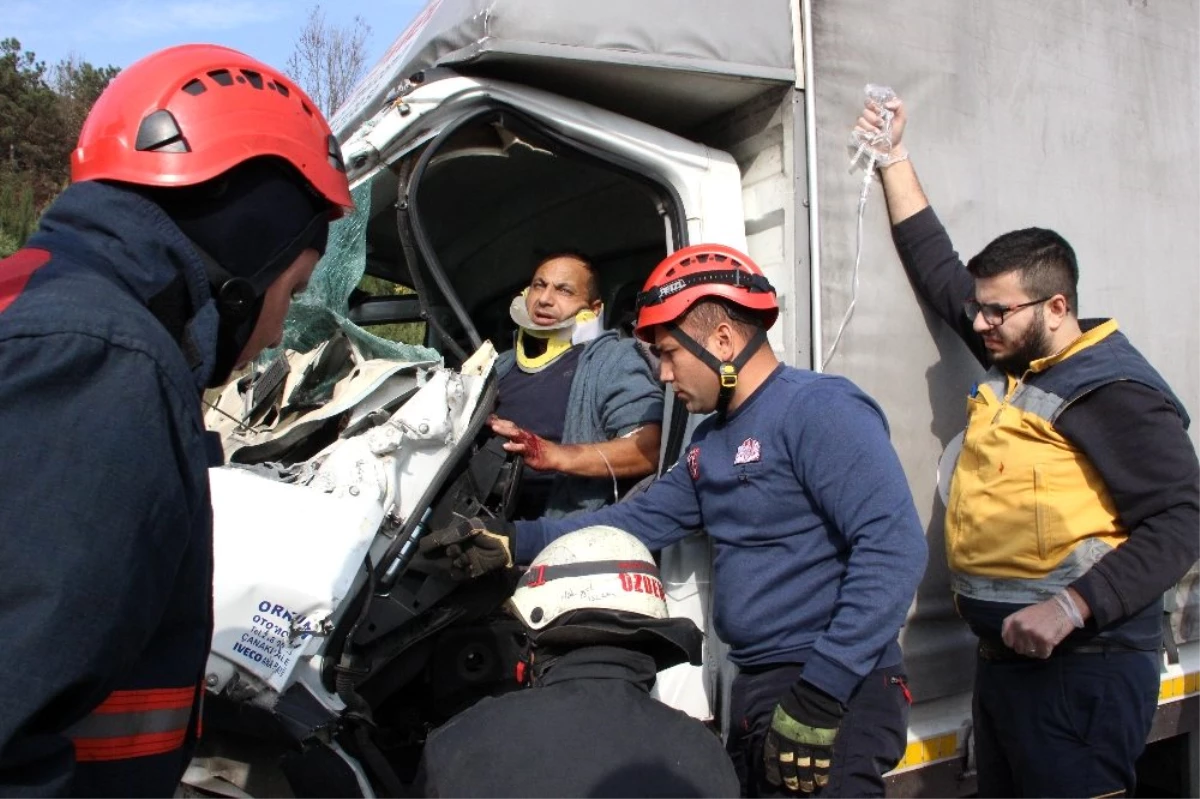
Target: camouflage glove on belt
point(470, 548)
point(799, 745)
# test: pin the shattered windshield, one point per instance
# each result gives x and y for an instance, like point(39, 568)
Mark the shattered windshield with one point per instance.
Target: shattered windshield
point(323, 309)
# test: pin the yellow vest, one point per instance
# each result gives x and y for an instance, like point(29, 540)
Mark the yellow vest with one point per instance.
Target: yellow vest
point(1028, 514)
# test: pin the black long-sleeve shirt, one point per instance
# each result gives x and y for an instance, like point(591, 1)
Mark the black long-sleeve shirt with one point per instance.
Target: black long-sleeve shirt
point(1131, 433)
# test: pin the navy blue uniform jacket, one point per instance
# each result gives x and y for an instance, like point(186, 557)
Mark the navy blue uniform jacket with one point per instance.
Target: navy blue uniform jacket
point(587, 727)
point(105, 520)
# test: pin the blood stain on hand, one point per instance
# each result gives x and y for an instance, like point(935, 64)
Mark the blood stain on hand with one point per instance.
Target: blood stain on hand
point(533, 445)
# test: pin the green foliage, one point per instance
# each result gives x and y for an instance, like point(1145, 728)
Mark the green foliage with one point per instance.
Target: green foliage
point(404, 332)
point(32, 140)
point(8, 244)
point(17, 213)
point(41, 113)
point(79, 85)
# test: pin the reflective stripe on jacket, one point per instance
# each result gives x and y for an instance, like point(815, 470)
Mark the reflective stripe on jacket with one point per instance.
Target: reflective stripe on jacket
point(133, 724)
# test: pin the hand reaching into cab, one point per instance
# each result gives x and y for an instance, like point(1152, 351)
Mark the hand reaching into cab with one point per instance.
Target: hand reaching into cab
point(470, 547)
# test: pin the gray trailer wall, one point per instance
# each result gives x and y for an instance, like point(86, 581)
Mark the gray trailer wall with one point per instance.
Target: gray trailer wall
point(1078, 116)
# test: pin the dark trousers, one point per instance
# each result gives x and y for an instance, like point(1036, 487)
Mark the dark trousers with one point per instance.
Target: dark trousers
point(1073, 725)
point(870, 740)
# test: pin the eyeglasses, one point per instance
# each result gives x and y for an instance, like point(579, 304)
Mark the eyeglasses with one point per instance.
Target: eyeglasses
point(993, 312)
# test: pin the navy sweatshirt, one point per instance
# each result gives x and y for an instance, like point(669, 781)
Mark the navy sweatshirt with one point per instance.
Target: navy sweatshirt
point(817, 546)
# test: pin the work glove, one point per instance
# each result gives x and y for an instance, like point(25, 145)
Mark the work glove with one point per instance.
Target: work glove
point(470, 548)
point(799, 745)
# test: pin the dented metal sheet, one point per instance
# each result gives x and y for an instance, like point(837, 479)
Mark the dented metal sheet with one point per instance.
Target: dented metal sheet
point(288, 554)
point(274, 596)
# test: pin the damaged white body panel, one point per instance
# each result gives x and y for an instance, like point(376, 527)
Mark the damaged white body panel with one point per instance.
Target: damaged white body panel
point(274, 596)
point(289, 548)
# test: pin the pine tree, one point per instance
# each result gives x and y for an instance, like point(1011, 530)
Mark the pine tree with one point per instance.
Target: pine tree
point(41, 113)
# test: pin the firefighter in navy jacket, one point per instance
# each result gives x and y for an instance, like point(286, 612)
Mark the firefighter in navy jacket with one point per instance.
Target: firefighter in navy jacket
point(202, 190)
point(817, 546)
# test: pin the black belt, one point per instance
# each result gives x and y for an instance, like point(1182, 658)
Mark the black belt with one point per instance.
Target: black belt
point(994, 649)
point(763, 668)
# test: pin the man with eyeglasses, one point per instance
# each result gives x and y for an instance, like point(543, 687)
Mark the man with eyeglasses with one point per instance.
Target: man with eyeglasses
point(1073, 506)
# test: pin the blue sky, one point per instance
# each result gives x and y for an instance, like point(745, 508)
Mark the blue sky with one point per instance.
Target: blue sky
point(120, 32)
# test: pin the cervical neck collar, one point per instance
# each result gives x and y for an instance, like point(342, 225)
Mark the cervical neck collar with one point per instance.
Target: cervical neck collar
point(538, 346)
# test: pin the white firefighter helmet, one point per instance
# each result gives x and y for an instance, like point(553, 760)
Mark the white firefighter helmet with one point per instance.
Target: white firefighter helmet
point(596, 568)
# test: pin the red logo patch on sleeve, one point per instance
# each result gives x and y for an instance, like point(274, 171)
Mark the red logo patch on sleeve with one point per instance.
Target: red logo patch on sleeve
point(15, 272)
point(693, 462)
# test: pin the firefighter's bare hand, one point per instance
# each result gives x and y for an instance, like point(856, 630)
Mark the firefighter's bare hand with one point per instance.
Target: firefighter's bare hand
point(1035, 631)
point(470, 548)
point(538, 453)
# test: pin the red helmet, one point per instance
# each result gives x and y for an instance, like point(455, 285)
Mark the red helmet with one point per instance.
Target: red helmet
point(187, 114)
point(698, 272)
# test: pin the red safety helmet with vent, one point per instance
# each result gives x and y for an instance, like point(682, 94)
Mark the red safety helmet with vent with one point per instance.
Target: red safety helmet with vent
point(707, 272)
point(187, 114)
point(703, 271)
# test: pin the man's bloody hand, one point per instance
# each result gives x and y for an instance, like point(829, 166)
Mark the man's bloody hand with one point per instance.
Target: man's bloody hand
point(538, 452)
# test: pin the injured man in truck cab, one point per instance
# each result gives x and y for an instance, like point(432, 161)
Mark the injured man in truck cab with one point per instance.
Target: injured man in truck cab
point(578, 402)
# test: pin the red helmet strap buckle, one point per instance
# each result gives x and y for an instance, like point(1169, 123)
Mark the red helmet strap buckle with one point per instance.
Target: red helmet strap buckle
point(727, 371)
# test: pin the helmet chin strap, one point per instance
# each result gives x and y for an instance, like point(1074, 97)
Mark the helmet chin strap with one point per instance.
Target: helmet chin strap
point(727, 371)
point(238, 308)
